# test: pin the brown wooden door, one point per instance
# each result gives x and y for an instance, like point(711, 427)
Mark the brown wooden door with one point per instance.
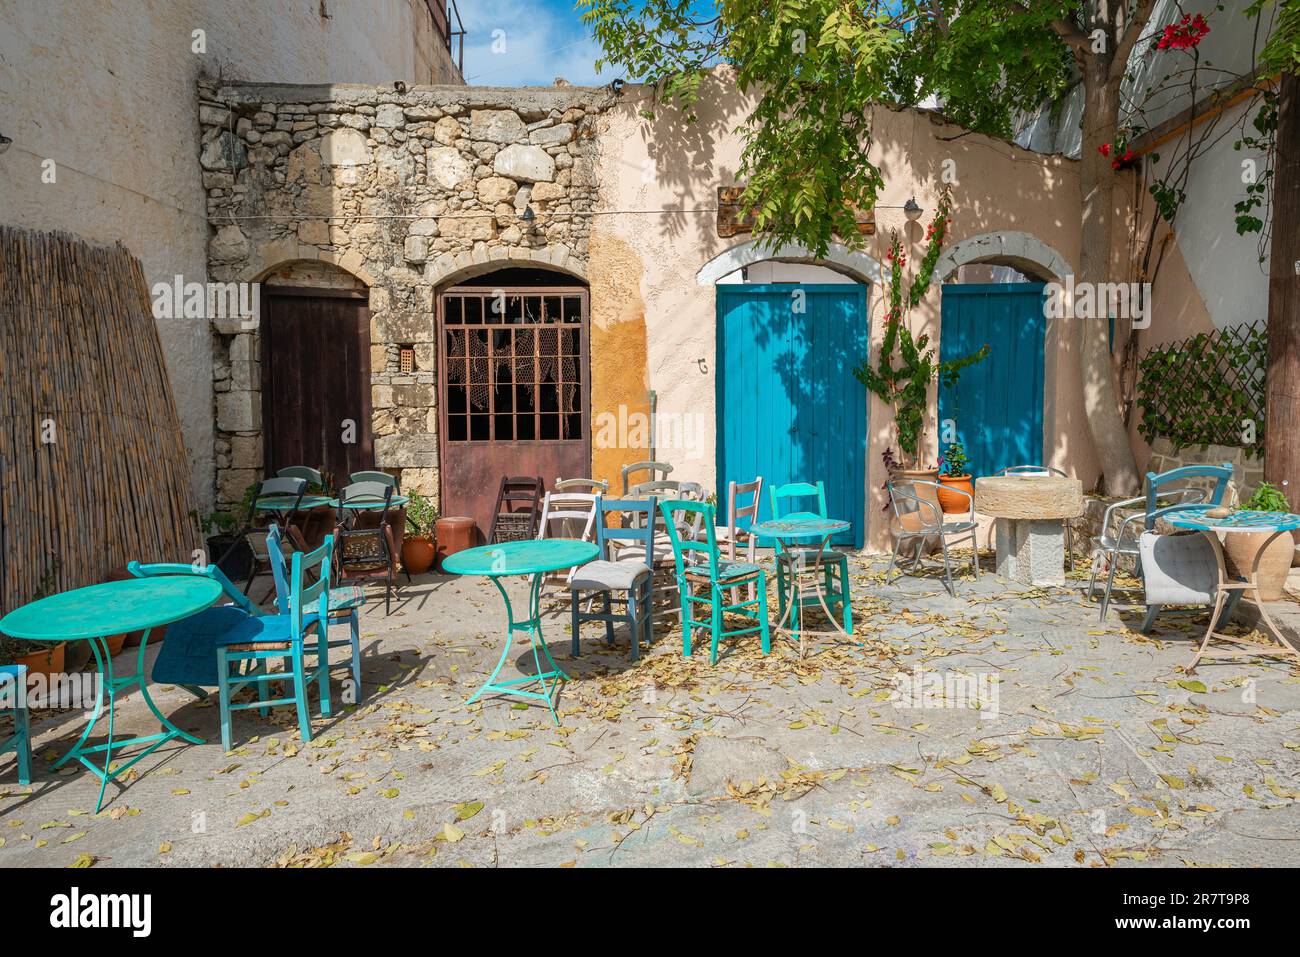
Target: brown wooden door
point(316, 381)
point(515, 389)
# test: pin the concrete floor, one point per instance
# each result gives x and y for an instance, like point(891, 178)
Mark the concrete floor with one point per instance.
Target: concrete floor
point(1096, 751)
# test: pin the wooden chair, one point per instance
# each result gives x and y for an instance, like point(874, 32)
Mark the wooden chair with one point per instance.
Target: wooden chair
point(13, 698)
point(918, 519)
point(366, 553)
point(658, 472)
point(594, 486)
point(566, 515)
point(699, 564)
point(735, 534)
point(518, 509)
point(792, 561)
point(609, 575)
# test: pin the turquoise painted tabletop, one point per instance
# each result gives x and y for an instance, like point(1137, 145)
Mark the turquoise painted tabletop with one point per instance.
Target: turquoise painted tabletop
point(111, 608)
point(282, 503)
point(397, 501)
point(1242, 520)
point(795, 528)
point(521, 558)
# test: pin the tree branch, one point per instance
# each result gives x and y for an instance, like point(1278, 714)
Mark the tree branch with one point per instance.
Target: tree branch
point(1119, 65)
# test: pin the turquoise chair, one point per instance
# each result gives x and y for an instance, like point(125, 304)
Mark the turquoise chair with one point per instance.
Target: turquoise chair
point(13, 697)
point(835, 587)
point(700, 563)
point(244, 651)
point(345, 602)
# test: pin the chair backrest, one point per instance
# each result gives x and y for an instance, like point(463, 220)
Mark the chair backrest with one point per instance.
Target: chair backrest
point(152, 569)
point(1159, 486)
point(735, 510)
point(687, 552)
point(654, 487)
point(382, 477)
point(314, 597)
point(279, 568)
point(311, 475)
point(1031, 470)
point(637, 525)
point(569, 515)
point(582, 485)
point(379, 493)
point(914, 512)
point(508, 517)
point(658, 471)
point(795, 490)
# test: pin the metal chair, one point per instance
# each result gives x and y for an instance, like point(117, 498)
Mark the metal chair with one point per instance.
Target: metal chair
point(607, 575)
point(518, 508)
point(658, 472)
point(366, 554)
point(700, 564)
point(920, 520)
point(1124, 540)
point(792, 561)
point(566, 515)
point(282, 490)
point(1046, 470)
point(306, 472)
point(382, 477)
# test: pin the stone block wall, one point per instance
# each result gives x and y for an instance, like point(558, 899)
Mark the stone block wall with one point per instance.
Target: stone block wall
point(401, 193)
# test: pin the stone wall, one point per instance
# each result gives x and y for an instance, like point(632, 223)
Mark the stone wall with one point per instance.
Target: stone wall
point(401, 192)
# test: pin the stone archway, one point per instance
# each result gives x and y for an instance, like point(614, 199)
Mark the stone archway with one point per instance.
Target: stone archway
point(469, 263)
point(1004, 247)
point(852, 263)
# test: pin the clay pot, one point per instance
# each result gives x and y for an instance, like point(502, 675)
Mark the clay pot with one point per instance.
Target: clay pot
point(1239, 550)
point(417, 554)
point(924, 492)
point(44, 661)
point(950, 501)
point(115, 643)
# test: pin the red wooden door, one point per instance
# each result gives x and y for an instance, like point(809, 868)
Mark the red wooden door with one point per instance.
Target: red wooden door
point(515, 389)
point(316, 381)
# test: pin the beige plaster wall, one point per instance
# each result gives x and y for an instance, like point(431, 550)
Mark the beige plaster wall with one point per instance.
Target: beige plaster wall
point(107, 91)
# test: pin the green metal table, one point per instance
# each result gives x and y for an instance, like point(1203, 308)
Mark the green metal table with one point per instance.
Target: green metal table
point(788, 531)
point(91, 614)
point(535, 558)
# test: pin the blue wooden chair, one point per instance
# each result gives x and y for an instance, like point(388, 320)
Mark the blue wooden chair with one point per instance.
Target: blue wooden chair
point(699, 564)
point(1166, 492)
point(13, 698)
point(835, 587)
point(345, 602)
point(630, 571)
point(243, 654)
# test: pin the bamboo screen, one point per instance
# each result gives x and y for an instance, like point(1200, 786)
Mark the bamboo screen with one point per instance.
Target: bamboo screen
point(93, 470)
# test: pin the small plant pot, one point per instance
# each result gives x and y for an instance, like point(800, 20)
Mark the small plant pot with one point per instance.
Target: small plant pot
point(44, 661)
point(417, 554)
point(1239, 551)
point(951, 502)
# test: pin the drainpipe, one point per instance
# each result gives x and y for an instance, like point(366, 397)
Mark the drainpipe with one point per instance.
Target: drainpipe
point(654, 405)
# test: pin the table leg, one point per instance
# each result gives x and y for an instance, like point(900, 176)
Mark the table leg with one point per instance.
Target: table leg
point(532, 626)
point(796, 596)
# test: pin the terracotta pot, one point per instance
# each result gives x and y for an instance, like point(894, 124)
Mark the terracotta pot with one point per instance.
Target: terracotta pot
point(45, 661)
point(417, 554)
point(925, 492)
point(1239, 550)
point(115, 643)
point(950, 501)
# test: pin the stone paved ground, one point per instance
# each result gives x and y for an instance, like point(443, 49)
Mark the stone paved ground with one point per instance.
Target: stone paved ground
point(1097, 750)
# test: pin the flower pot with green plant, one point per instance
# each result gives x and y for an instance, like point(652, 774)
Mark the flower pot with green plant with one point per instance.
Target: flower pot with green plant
point(955, 474)
point(1241, 548)
point(418, 546)
point(40, 657)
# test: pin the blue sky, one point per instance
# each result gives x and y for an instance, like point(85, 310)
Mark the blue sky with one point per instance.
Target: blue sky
point(541, 39)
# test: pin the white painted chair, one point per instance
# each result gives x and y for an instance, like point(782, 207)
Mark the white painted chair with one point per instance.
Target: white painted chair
point(566, 515)
point(734, 537)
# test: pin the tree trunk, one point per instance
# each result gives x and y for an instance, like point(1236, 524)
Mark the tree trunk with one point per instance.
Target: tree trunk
point(1096, 184)
point(1282, 411)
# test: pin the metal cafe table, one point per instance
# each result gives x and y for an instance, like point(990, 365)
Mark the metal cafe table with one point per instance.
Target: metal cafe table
point(95, 612)
point(535, 558)
point(804, 581)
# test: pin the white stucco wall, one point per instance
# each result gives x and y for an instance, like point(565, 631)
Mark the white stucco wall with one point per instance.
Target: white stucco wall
point(106, 90)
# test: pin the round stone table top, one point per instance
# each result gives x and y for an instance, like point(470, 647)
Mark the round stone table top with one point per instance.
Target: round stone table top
point(1029, 497)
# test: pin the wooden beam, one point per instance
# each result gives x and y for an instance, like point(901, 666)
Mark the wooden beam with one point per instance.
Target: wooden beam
point(1282, 405)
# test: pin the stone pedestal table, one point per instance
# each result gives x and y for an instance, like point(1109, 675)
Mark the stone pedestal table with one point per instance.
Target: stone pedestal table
point(1029, 512)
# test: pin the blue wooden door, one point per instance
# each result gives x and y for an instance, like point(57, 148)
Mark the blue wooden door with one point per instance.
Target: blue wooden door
point(997, 404)
point(788, 406)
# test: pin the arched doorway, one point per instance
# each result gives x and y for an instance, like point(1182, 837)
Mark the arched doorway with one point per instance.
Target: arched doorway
point(315, 367)
point(790, 331)
point(514, 384)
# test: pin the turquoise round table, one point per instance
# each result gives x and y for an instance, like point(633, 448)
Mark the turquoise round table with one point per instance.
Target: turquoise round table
point(808, 584)
point(285, 503)
point(534, 558)
point(366, 504)
point(1230, 590)
point(95, 612)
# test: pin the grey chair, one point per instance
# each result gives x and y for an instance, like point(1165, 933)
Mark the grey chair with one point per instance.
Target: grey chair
point(920, 521)
point(658, 472)
point(1179, 570)
point(383, 478)
point(594, 486)
point(1166, 492)
point(627, 574)
point(306, 472)
point(1046, 470)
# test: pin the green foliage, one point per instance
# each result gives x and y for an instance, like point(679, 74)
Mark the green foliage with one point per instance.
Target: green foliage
point(1282, 51)
point(46, 585)
point(1200, 391)
point(955, 460)
point(1267, 497)
point(421, 514)
point(1265, 124)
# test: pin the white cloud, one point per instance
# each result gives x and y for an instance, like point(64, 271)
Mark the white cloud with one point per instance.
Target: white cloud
point(518, 43)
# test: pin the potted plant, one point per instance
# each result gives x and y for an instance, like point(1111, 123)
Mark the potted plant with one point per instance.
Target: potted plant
point(955, 474)
point(230, 551)
point(40, 657)
point(1241, 547)
point(417, 546)
point(905, 386)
